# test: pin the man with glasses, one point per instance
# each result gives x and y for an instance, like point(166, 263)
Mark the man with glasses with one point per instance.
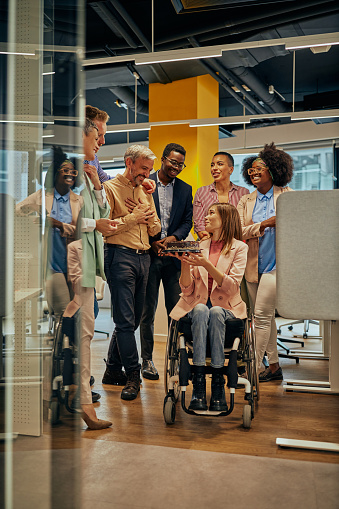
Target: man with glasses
point(173, 202)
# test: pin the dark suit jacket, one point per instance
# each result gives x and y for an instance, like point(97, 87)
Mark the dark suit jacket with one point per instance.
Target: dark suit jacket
point(182, 210)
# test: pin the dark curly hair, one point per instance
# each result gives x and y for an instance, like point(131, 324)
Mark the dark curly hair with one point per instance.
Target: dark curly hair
point(279, 163)
point(59, 157)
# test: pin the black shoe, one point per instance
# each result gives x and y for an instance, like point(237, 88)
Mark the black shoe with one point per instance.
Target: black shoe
point(114, 377)
point(132, 387)
point(149, 371)
point(95, 396)
point(198, 401)
point(91, 381)
point(268, 376)
point(218, 399)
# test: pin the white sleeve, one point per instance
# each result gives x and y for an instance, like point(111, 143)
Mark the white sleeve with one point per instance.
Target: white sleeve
point(88, 224)
point(101, 197)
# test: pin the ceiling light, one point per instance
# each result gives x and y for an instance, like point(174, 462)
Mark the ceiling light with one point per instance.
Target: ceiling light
point(313, 41)
point(17, 53)
point(244, 87)
point(125, 128)
point(26, 122)
point(208, 122)
point(46, 73)
point(177, 55)
point(48, 135)
point(311, 115)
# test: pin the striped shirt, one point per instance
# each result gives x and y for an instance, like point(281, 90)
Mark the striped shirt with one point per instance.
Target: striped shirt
point(103, 176)
point(206, 196)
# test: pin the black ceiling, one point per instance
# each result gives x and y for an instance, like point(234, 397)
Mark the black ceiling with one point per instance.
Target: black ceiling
point(118, 27)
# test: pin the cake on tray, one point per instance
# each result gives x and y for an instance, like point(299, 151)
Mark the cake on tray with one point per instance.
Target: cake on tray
point(182, 246)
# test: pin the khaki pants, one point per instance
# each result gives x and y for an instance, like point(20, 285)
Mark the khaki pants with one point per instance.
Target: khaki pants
point(262, 298)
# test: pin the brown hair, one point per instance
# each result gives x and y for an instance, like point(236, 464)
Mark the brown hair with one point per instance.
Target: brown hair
point(94, 113)
point(230, 224)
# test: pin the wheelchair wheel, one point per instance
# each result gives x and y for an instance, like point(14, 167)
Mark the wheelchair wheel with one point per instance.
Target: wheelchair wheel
point(55, 412)
point(172, 360)
point(169, 411)
point(247, 416)
point(251, 359)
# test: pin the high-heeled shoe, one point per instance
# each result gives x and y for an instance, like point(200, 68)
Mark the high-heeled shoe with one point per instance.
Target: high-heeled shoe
point(99, 424)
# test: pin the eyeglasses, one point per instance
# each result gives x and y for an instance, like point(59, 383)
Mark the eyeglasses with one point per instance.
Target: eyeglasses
point(69, 171)
point(251, 171)
point(175, 163)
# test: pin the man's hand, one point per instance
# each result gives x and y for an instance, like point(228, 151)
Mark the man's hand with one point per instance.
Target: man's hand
point(143, 213)
point(203, 235)
point(131, 204)
point(92, 174)
point(159, 245)
point(106, 226)
point(149, 185)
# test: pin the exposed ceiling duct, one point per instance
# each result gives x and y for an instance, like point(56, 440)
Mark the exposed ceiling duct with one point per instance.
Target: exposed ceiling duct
point(126, 95)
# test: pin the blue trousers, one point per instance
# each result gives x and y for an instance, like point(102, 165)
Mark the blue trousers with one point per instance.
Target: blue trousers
point(126, 274)
point(211, 320)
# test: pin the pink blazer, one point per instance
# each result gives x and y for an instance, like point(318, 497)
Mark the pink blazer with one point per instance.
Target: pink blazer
point(251, 231)
point(227, 295)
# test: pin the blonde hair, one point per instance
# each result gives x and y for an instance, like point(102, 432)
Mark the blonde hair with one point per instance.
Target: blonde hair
point(230, 224)
point(94, 113)
point(136, 151)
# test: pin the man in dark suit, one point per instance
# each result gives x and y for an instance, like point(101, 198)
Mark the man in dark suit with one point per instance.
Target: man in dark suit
point(173, 202)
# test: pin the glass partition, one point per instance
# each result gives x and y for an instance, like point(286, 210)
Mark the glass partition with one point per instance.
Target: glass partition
point(42, 46)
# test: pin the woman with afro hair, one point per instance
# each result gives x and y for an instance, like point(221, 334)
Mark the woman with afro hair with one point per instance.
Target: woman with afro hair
point(269, 172)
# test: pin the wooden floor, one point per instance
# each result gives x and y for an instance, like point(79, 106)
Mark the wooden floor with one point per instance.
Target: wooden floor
point(278, 414)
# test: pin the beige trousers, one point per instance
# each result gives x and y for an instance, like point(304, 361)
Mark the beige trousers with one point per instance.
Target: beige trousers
point(87, 333)
point(262, 299)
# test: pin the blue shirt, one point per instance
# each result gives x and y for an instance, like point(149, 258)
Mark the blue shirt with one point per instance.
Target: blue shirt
point(165, 194)
point(264, 209)
point(61, 210)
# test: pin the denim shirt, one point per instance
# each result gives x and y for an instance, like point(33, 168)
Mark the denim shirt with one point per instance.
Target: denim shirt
point(264, 209)
point(61, 210)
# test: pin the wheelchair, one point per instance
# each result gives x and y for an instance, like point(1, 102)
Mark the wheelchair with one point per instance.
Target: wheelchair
point(65, 371)
point(239, 350)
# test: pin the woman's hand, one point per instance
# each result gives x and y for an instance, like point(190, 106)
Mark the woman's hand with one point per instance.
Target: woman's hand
point(54, 223)
point(268, 223)
point(92, 174)
point(195, 259)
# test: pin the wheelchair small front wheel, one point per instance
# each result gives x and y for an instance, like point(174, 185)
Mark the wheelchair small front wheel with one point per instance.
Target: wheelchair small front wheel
point(169, 411)
point(247, 416)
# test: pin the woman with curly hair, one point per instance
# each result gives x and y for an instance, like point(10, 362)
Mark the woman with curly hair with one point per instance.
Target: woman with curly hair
point(269, 172)
point(62, 208)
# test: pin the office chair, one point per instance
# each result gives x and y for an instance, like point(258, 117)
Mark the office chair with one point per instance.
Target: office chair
point(100, 292)
point(306, 323)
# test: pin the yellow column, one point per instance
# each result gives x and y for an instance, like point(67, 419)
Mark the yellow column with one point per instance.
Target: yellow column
point(186, 99)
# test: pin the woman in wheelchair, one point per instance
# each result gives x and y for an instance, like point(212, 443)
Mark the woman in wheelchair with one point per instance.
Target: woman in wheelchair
point(210, 284)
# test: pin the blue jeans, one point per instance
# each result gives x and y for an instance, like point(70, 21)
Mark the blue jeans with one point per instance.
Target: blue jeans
point(126, 274)
point(212, 320)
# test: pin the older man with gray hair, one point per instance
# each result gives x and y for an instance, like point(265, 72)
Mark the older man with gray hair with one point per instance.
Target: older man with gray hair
point(127, 262)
